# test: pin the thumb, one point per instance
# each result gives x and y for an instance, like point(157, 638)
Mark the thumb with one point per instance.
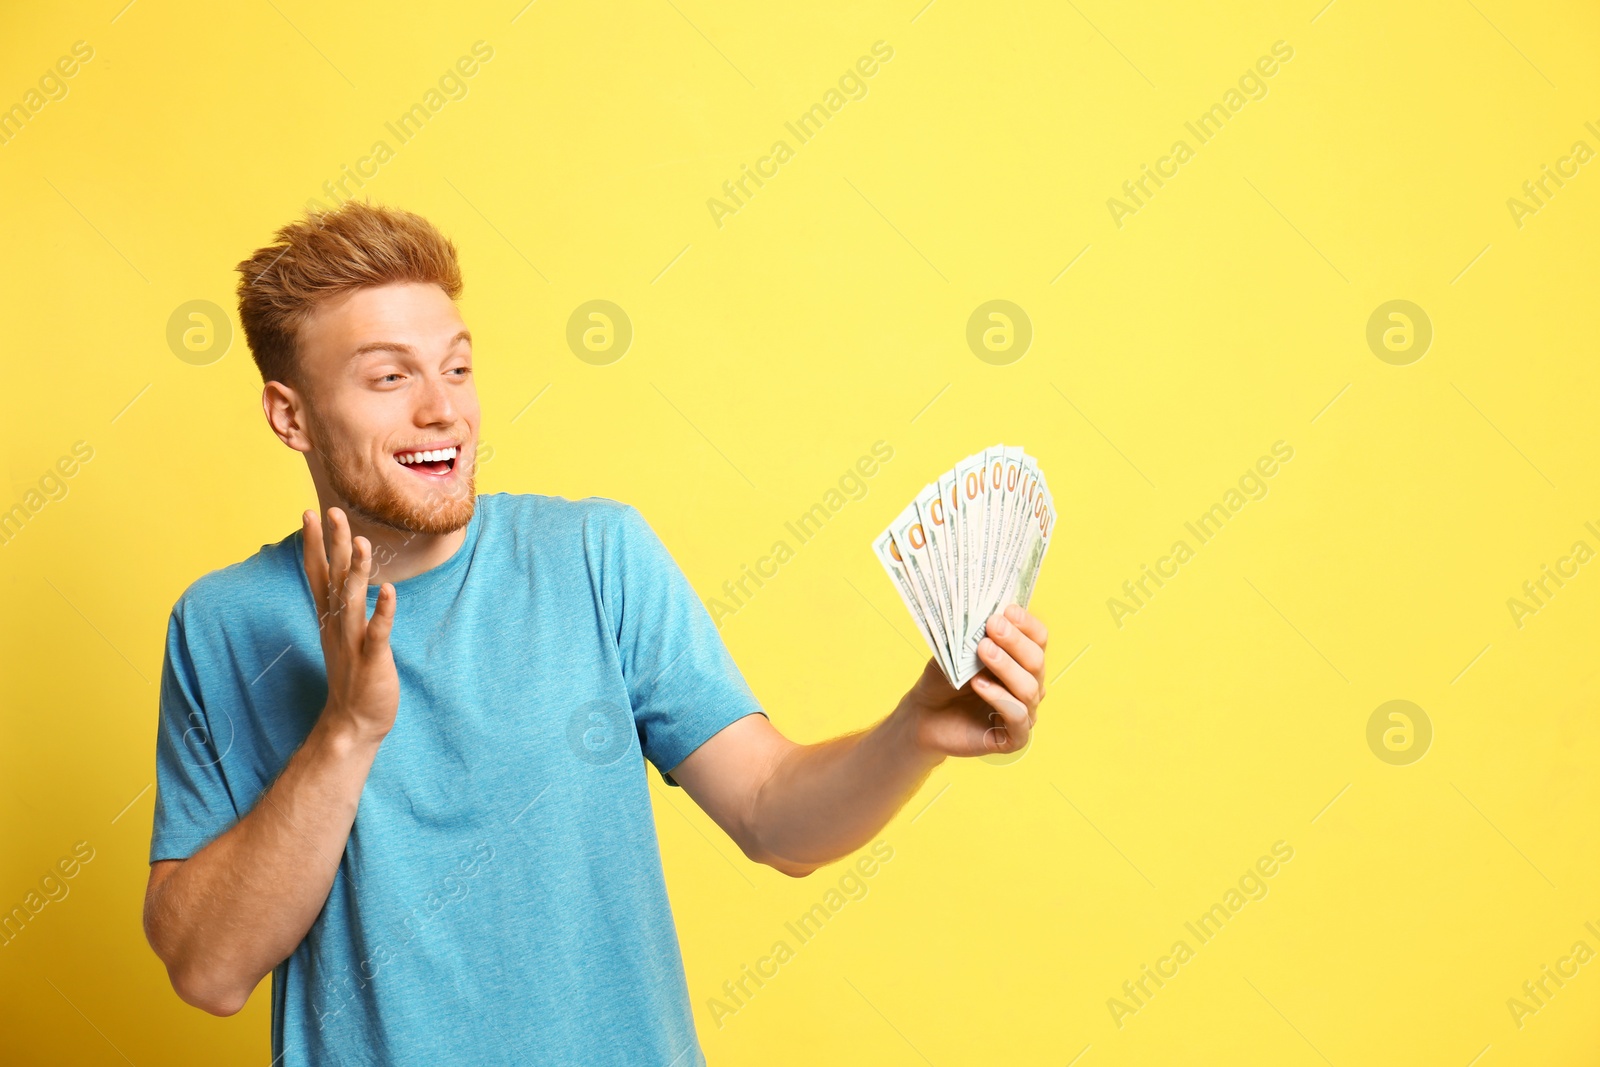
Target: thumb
point(382, 622)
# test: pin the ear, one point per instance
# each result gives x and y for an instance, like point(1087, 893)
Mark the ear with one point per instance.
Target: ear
point(285, 411)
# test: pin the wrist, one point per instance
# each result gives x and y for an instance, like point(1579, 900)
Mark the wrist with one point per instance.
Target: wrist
point(905, 724)
point(343, 736)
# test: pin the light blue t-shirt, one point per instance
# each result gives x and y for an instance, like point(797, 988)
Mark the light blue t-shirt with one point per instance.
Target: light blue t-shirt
point(500, 899)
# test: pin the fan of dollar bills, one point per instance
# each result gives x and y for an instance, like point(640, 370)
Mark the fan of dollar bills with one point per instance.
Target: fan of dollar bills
point(968, 545)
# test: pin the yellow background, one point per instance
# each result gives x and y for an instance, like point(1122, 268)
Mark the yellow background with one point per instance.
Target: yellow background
point(770, 353)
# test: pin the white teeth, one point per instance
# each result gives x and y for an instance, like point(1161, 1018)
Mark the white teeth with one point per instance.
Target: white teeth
point(432, 456)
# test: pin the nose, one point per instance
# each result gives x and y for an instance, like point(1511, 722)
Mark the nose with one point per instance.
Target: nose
point(435, 406)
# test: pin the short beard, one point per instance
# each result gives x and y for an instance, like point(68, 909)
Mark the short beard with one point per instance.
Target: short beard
point(375, 500)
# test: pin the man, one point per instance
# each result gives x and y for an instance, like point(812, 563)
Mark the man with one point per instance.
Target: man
point(433, 824)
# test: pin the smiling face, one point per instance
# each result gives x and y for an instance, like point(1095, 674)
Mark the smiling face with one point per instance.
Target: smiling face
point(384, 378)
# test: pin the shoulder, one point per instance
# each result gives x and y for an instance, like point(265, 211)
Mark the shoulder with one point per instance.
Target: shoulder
point(590, 518)
point(607, 542)
point(271, 571)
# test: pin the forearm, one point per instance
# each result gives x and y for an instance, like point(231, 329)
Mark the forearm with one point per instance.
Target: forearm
point(239, 906)
point(825, 801)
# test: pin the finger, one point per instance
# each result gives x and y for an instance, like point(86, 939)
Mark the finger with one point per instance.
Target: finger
point(1010, 725)
point(355, 590)
point(1028, 623)
point(316, 563)
point(338, 559)
point(1023, 684)
point(382, 622)
point(1015, 641)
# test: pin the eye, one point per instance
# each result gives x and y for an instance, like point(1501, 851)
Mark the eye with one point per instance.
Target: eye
point(391, 376)
point(462, 371)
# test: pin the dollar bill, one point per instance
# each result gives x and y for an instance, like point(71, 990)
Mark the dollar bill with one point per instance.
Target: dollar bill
point(971, 542)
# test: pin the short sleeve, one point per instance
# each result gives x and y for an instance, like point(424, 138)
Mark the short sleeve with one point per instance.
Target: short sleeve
point(681, 679)
point(193, 803)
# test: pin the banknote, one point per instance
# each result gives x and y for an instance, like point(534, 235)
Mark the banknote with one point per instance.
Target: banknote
point(970, 542)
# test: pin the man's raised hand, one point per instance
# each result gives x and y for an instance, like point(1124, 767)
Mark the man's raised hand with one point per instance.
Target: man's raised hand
point(996, 710)
point(363, 686)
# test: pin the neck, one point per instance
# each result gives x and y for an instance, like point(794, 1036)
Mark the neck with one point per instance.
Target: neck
point(401, 554)
point(396, 554)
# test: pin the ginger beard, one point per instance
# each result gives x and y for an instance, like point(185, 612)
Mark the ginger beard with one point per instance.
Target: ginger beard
point(378, 497)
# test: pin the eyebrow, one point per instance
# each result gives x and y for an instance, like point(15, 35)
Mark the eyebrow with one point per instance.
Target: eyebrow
point(397, 346)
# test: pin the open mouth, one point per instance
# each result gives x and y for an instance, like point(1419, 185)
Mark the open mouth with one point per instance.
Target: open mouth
point(429, 463)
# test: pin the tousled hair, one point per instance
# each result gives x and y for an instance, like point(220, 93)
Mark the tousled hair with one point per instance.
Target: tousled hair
point(328, 253)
